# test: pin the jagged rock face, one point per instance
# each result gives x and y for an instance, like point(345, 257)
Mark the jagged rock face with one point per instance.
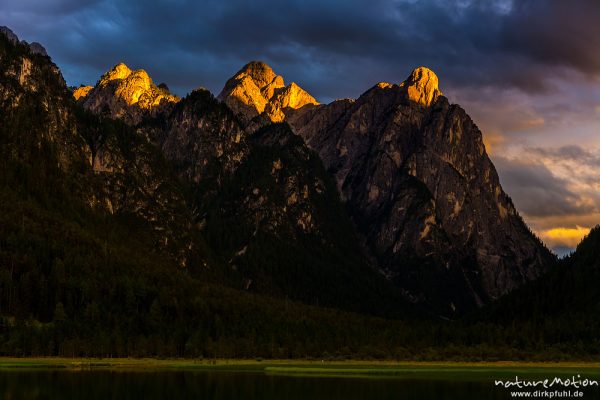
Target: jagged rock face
point(128, 95)
point(131, 177)
point(277, 222)
point(256, 90)
point(203, 139)
point(282, 195)
point(82, 91)
point(261, 199)
point(422, 191)
point(33, 91)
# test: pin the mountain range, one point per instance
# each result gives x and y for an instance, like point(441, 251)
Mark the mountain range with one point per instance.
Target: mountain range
point(123, 197)
point(421, 195)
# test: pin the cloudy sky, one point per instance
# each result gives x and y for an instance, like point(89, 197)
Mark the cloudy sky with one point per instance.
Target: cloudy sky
point(528, 72)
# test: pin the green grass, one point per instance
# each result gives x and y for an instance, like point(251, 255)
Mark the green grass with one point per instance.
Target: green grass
point(455, 371)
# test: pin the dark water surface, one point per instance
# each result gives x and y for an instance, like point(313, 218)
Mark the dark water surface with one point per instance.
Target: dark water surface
point(110, 384)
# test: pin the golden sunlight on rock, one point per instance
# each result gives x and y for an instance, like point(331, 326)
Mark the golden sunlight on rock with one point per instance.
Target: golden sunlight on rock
point(422, 86)
point(568, 237)
point(120, 71)
point(294, 96)
point(134, 87)
point(257, 89)
point(127, 94)
point(384, 85)
point(82, 91)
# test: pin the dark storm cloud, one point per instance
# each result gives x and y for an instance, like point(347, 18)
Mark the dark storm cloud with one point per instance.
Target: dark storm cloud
point(333, 48)
point(556, 32)
point(537, 192)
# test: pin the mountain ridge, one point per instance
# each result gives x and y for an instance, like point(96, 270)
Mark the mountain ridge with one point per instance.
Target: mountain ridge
point(414, 176)
point(425, 206)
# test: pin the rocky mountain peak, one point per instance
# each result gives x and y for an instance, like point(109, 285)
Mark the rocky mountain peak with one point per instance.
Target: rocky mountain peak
point(256, 89)
point(82, 91)
point(126, 93)
point(421, 190)
point(14, 39)
point(293, 96)
point(34, 47)
point(119, 71)
point(422, 86)
point(130, 85)
point(261, 73)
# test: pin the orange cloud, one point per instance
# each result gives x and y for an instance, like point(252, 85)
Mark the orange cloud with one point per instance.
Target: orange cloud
point(569, 237)
point(544, 223)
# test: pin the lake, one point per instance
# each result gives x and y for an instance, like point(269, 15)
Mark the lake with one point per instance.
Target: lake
point(16, 384)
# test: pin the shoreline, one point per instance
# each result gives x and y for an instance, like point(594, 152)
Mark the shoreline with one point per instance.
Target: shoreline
point(354, 368)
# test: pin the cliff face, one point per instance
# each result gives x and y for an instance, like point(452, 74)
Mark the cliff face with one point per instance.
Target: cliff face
point(126, 94)
point(269, 210)
point(34, 105)
point(203, 139)
point(423, 193)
